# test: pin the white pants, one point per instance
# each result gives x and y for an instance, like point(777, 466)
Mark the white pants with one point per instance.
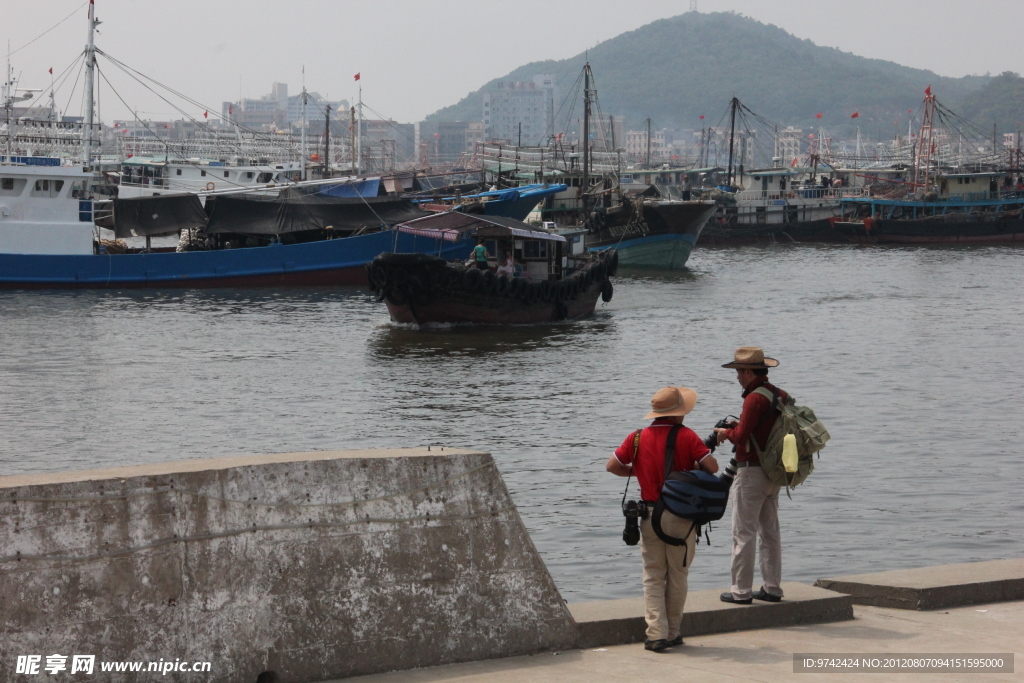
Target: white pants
point(665, 577)
point(755, 512)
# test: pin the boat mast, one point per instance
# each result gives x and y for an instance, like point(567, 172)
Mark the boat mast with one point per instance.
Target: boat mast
point(8, 101)
point(90, 66)
point(304, 100)
point(585, 182)
point(647, 162)
point(732, 134)
point(359, 132)
point(922, 162)
point(352, 143)
point(327, 142)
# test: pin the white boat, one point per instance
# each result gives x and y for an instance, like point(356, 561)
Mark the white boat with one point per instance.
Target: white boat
point(44, 207)
point(148, 176)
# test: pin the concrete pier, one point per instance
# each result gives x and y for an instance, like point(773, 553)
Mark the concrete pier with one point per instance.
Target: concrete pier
point(950, 585)
point(614, 622)
point(288, 568)
point(766, 655)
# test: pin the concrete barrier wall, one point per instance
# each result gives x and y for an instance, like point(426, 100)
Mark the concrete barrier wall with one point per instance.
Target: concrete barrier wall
point(299, 567)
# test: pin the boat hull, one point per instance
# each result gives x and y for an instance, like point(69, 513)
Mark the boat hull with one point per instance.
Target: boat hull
point(664, 241)
point(930, 231)
point(424, 290)
point(324, 263)
point(491, 310)
point(811, 232)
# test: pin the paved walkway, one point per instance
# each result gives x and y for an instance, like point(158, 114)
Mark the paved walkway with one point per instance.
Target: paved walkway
point(767, 655)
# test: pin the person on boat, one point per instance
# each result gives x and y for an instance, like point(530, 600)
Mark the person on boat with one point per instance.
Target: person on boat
point(519, 268)
point(666, 567)
point(686, 188)
point(505, 267)
point(755, 500)
point(480, 254)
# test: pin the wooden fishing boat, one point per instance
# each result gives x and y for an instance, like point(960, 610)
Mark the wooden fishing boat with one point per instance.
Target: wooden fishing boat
point(551, 283)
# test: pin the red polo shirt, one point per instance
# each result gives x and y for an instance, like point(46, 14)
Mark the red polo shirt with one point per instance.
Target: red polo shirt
point(754, 406)
point(649, 468)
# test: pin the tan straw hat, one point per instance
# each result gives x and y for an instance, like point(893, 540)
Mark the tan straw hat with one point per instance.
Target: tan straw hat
point(671, 401)
point(751, 357)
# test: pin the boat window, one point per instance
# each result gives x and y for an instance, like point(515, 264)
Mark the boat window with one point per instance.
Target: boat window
point(248, 175)
point(179, 171)
point(45, 187)
point(76, 188)
point(12, 186)
point(202, 173)
point(225, 174)
point(535, 249)
point(265, 178)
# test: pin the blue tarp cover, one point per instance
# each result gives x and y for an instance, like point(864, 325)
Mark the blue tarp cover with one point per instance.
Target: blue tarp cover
point(362, 188)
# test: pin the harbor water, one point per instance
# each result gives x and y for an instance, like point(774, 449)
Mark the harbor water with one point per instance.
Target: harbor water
point(910, 356)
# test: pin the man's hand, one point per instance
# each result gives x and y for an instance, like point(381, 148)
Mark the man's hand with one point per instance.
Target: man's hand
point(722, 435)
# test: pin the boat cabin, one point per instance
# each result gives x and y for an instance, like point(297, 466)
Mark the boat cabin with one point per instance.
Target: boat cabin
point(147, 176)
point(44, 209)
point(972, 186)
point(537, 254)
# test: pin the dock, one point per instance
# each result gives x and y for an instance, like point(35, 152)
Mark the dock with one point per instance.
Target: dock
point(408, 565)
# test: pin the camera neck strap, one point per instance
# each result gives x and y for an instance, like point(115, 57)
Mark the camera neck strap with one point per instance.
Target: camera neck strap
point(636, 451)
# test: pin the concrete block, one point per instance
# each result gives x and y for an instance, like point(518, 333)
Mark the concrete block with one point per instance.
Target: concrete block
point(615, 622)
point(312, 566)
point(950, 585)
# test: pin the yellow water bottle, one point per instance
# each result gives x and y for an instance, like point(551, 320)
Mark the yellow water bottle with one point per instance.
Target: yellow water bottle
point(789, 454)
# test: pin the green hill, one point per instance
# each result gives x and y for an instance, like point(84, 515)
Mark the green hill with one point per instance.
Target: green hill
point(674, 70)
point(1000, 101)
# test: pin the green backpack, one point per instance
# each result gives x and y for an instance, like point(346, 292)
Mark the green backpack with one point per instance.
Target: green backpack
point(811, 437)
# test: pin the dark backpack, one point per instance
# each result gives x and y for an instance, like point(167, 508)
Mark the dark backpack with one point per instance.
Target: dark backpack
point(690, 494)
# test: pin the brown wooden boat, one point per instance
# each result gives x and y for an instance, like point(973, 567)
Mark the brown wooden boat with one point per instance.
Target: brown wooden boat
point(423, 289)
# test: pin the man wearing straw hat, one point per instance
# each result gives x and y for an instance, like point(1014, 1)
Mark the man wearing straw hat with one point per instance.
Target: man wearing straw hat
point(755, 500)
point(666, 567)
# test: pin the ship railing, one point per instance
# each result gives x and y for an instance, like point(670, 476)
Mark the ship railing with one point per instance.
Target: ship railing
point(802, 193)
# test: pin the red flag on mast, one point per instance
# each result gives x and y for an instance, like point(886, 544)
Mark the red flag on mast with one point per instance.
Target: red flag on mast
point(51, 70)
point(702, 117)
point(855, 115)
point(206, 114)
point(928, 90)
point(818, 115)
point(358, 74)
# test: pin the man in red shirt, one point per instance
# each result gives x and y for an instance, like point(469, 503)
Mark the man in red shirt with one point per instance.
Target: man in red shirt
point(755, 500)
point(666, 567)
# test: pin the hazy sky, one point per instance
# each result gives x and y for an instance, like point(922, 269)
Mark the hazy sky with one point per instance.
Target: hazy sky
point(416, 57)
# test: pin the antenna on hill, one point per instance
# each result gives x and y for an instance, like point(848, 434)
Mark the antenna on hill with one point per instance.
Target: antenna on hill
point(693, 5)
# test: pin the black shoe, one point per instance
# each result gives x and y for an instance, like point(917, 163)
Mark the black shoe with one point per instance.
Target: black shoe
point(656, 645)
point(766, 596)
point(678, 640)
point(728, 597)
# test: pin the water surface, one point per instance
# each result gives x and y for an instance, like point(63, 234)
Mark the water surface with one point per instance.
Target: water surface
point(910, 356)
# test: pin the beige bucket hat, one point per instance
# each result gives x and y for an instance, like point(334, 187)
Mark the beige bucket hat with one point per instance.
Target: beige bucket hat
point(751, 357)
point(672, 401)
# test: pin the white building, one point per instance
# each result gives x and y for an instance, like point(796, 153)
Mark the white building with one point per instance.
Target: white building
point(278, 110)
point(529, 103)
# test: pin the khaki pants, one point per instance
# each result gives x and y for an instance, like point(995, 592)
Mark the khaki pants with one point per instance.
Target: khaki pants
point(665, 576)
point(755, 512)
